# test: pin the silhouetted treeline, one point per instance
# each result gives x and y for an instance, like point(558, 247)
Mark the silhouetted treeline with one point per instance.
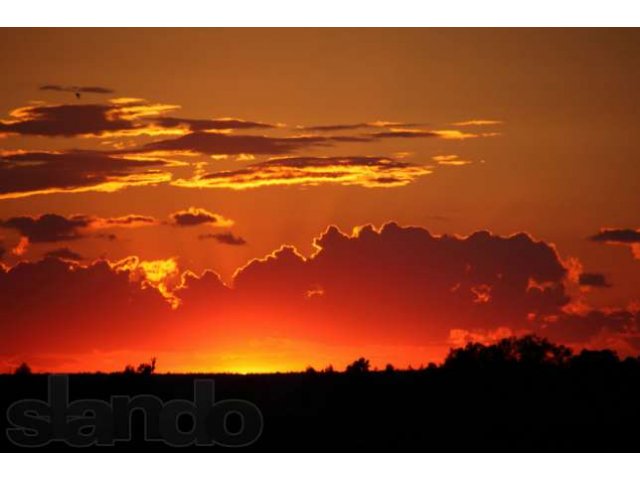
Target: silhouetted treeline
point(519, 394)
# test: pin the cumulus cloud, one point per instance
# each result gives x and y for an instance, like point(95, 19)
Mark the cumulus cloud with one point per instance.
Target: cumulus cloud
point(369, 172)
point(24, 174)
point(389, 286)
point(54, 306)
point(226, 238)
point(198, 216)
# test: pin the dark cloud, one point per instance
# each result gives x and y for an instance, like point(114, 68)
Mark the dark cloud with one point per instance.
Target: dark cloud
point(593, 280)
point(48, 227)
point(66, 120)
point(392, 286)
point(120, 117)
point(51, 227)
point(212, 143)
point(54, 306)
point(614, 235)
point(30, 173)
point(63, 254)
point(362, 171)
point(433, 284)
point(3, 250)
point(404, 134)
point(614, 328)
point(224, 238)
point(197, 216)
point(75, 89)
point(213, 124)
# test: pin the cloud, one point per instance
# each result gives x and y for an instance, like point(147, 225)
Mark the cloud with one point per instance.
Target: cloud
point(63, 254)
point(432, 283)
point(305, 171)
point(22, 247)
point(24, 174)
point(51, 227)
point(198, 216)
point(619, 236)
point(119, 117)
point(616, 235)
point(451, 160)
point(64, 120)
point(212, 124)
point(477, 123)
point(75, 89)
point(48, 227)
point(57, 307)
point(3, 250)
point(404, 134)
point(597, 280)
point(216, 143)
point(393, 286)
point(127, 221)
point(227, 238)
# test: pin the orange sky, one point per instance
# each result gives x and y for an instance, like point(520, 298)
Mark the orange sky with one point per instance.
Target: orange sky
point(454, 131)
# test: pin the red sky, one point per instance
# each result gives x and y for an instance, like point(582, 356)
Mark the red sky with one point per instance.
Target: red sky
point(266, 199)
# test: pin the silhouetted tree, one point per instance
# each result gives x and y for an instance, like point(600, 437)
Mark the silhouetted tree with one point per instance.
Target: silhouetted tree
point(310, 371)
point(361, 365)
point(389, 368)
point(595, 359)
point(23, 369)
point(529, 350)
point(328, 369)
point(147, 368)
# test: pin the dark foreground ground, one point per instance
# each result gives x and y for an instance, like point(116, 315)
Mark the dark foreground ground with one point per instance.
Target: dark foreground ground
point(515, 408)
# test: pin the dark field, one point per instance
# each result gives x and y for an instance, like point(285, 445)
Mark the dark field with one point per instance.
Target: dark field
point(477, 401)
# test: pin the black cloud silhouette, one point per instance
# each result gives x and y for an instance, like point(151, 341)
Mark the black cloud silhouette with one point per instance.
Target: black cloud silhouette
point(227, 238)
point(212, 124)
point(196, 216)
point(66, 120)
point(211, 143)
point(615, 235)
point(23, 174)
point(48, 227)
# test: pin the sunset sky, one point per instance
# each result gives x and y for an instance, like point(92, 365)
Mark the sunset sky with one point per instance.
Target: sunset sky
point(256, 200)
